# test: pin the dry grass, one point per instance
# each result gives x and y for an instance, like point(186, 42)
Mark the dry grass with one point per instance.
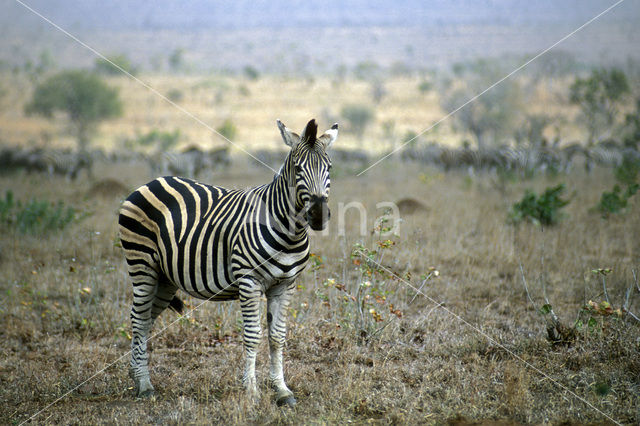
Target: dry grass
point(426, 367)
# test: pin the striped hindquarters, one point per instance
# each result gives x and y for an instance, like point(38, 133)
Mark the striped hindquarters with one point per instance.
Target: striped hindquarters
point(176, 230)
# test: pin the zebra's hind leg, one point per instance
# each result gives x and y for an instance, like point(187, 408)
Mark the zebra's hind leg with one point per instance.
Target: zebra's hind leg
point(164, 295)
point(141, 322)
point(277, 302)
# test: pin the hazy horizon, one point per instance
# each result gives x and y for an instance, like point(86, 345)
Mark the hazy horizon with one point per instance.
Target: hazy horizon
point(284, 37)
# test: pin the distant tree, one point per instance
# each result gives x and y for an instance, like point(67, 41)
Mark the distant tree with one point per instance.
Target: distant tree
point(425, 86)
point(367, 70)
point(553, 64)
point(158, 140)
point(599, 97)
point(400, 69)
point(251, 73)
point(531, 131)
point(107, 67)
point(632, 124)
point(176, 60)
point(340, 75)
point(3, 94)
point(228, 130)
point(358, 117)
point(175, 95)
point(46, 63)
point(82, 95)
point(378, 91)
point(492, 116)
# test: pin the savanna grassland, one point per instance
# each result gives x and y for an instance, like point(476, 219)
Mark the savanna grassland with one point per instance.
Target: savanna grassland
point(430, 324)
point(467, 347)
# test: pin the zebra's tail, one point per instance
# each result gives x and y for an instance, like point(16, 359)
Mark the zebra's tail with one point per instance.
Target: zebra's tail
point(176, 304)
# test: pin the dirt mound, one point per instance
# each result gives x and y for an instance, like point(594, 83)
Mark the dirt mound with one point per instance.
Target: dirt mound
point(411, 206)
point(108, 188)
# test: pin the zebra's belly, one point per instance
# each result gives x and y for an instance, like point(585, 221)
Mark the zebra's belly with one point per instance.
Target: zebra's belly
point(201, 270)
point(209, 289)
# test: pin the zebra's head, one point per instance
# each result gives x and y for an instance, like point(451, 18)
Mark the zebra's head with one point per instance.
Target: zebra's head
point(308, 170)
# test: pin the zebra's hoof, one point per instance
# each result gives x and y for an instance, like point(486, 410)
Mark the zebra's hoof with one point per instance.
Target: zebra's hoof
point(144, 388)
point(146, 394)
point(288, 401)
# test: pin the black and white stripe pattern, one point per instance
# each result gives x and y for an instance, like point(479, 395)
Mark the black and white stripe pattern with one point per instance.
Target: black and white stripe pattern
point(217, 244)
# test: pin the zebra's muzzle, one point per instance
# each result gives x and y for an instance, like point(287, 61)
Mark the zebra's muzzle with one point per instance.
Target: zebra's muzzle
point(318, 213)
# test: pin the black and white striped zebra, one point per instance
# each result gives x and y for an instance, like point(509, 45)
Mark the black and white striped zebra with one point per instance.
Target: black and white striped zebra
point(219, 244)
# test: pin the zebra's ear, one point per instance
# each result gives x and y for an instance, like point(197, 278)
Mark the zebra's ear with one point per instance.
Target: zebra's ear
point(290, 138)
point(329, 136)
point(310, 132)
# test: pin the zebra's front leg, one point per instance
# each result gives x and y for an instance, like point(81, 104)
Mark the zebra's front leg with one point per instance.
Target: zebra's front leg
point(278, 299)
point(250, 295)
point(141, 323)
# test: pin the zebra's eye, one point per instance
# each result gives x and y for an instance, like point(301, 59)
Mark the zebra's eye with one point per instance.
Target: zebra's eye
point(298, 169)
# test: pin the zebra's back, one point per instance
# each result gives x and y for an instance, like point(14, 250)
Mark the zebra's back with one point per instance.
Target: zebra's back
point(181, 230)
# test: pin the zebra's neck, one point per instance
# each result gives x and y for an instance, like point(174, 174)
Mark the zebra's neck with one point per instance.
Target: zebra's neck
point(282, 204)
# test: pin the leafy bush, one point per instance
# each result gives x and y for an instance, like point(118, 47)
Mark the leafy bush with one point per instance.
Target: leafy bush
point(616, 200)
point(543, 210)
point(632, 126)
point(627, 172)
point(161, 140)
point(367, 305)
point(36, 216)
point(358, 117)
point(425, 86)
point(251, 72)
point(175, 95)
point(106, 66)
point(228, 129)
point(176, 59)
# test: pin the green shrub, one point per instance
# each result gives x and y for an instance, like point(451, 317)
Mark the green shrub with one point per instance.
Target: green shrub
point(161, 140)
point(228, 129)
point(107, 67)
point(175, 95)
point(543, 210)
point(358, 117)
point(251, 73)
point(425, 86)
point(627, 172)
point(616, 200)
point(36, 216)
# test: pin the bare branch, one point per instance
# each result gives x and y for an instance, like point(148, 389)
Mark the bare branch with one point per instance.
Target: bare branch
point(625, 305)
point(526, 288)
point(419, 291)
point(604, 287)
point(633, 316)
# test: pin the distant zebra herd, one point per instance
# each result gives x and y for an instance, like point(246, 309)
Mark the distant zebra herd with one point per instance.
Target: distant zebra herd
point(193, 161)
point(522, 160)
point(69, 163)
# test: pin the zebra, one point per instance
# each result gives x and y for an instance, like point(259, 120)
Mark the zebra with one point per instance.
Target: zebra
point(221, 244)
point(189, 163)
point(63, 162)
